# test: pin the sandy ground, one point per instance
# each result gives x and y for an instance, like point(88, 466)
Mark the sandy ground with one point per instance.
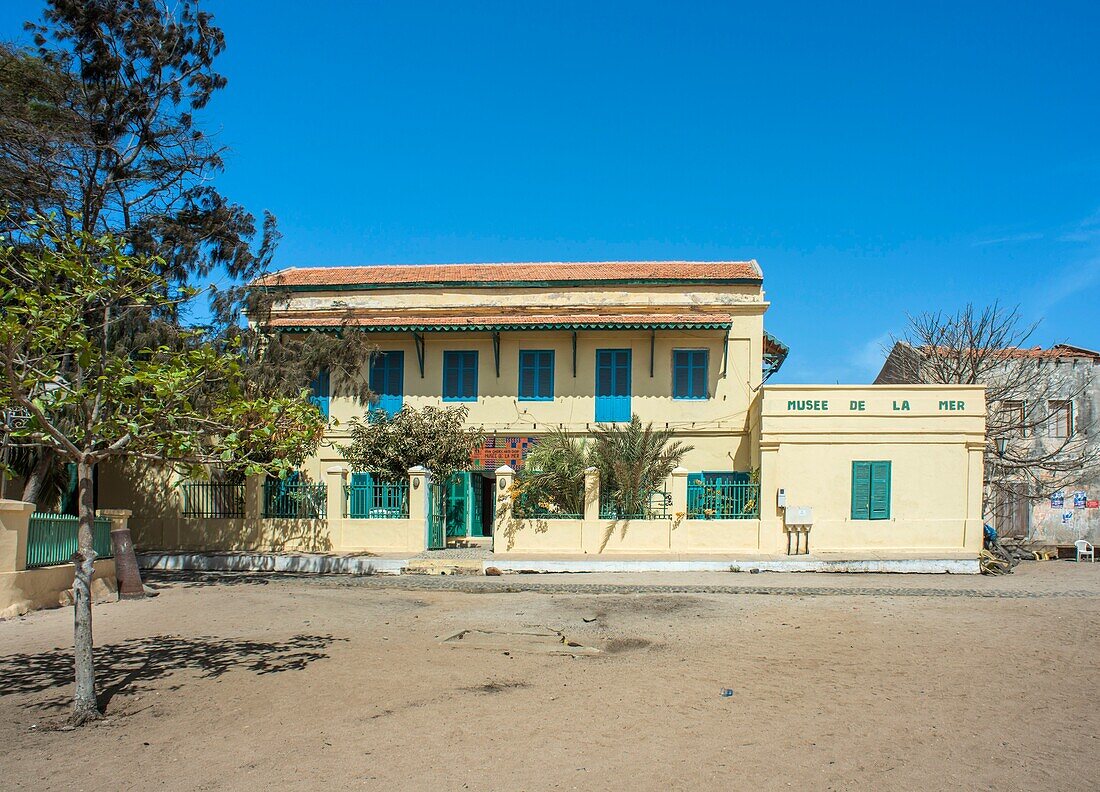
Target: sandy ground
point(259, 683)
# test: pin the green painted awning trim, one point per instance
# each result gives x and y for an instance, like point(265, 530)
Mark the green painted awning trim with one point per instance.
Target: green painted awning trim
point(540, 284)
point(773, 360)
point(497, 327)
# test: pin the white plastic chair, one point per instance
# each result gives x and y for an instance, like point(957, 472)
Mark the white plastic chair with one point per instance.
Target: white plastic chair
point(1085, 550)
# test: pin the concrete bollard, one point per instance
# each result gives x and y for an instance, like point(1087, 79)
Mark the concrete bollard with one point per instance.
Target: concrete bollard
point(127, 572)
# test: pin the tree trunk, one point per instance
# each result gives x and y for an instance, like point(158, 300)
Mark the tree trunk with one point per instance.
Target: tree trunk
point(85, 706)
point(36, 479)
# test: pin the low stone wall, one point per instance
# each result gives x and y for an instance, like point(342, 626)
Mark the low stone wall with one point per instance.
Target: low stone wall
point(51, 587)
point(629, 537)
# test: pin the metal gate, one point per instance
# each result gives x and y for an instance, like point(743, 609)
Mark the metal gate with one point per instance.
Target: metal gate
point(464, 508)
point(437, 539)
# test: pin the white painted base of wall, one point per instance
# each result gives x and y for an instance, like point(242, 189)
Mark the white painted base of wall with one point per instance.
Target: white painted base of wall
point(904, 566)
point(360, 565)
point(271, 562)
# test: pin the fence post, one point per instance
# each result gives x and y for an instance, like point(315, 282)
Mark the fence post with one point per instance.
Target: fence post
point(679, 492)
point(122, 547)
point(419, 492)
point(591, 494)
point(254, 496)
point(502, 505)
point(14, 523)
point(336, 478)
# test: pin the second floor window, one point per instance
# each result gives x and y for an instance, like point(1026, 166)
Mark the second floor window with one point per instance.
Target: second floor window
point(387, 382)
point(460, 375)
point(689, 374)
point(536, 374)
point(1060, 422)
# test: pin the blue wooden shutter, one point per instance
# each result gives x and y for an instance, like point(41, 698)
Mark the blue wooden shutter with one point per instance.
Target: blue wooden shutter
point(387, 382)
point(612, 385)
point(545, 389)
point(460, 375)
point(319, 391)
point(880, 490)
point(861, 490)
point(689, 374)
point(536, 375)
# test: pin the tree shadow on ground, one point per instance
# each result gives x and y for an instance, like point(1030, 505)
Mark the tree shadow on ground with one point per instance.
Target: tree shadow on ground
point(156, 579)
point(131, 665)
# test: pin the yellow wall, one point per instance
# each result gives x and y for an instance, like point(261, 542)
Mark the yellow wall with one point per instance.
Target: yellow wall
point(932, 435)
point(46, 587)
point(718, 427)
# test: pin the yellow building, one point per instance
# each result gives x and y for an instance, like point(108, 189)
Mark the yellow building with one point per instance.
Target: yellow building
point(851, 472)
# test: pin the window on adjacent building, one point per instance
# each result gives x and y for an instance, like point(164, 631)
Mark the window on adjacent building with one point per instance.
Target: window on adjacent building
point(387, 382)
point(689, 374)
point(536, 374)
point(1014, 416)
point(870, 490)
point(1060, 421)
point(319, 391)
point(460, 375)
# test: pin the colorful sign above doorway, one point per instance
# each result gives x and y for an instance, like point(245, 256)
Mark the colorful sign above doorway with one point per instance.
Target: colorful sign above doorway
point(502, 450)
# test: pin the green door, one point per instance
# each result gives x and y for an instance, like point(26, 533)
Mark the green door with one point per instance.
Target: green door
point(464, 509)
point(458, 500)
point(436, 500)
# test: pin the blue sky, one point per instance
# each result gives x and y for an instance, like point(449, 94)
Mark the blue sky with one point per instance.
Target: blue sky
point(875, 158)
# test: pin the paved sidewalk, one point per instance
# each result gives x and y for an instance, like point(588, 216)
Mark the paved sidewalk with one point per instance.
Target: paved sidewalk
point(1030, 580)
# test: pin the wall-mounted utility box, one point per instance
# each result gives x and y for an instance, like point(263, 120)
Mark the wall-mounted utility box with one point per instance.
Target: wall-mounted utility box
point(799, 515)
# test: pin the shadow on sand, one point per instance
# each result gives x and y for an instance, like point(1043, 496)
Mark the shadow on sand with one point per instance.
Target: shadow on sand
point(125, 667)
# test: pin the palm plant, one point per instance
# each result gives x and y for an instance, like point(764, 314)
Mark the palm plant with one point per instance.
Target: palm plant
point(552, 476)
point(634, 461)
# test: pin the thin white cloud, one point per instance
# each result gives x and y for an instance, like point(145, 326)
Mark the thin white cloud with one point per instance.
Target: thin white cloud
point(1007, 240)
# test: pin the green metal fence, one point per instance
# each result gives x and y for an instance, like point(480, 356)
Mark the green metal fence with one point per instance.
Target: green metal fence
point(724, 500)
point(52, 539)
point(656, 507)
point(295, 499)
point(526, 509)
point(377, 500)
point(212, 499)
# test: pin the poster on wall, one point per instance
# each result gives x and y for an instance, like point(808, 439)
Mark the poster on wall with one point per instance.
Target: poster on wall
point(1057, 500)
point(1067, 517)
point(1080, 498)
point(1092, 504)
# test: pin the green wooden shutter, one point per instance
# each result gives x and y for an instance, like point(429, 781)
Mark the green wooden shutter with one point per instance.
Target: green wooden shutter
point(861, 490)
point(880, 490)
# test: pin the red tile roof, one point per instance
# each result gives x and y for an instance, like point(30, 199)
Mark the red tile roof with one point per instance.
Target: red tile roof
point(1056, 351)
point(443, 321)
point(384, 275)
